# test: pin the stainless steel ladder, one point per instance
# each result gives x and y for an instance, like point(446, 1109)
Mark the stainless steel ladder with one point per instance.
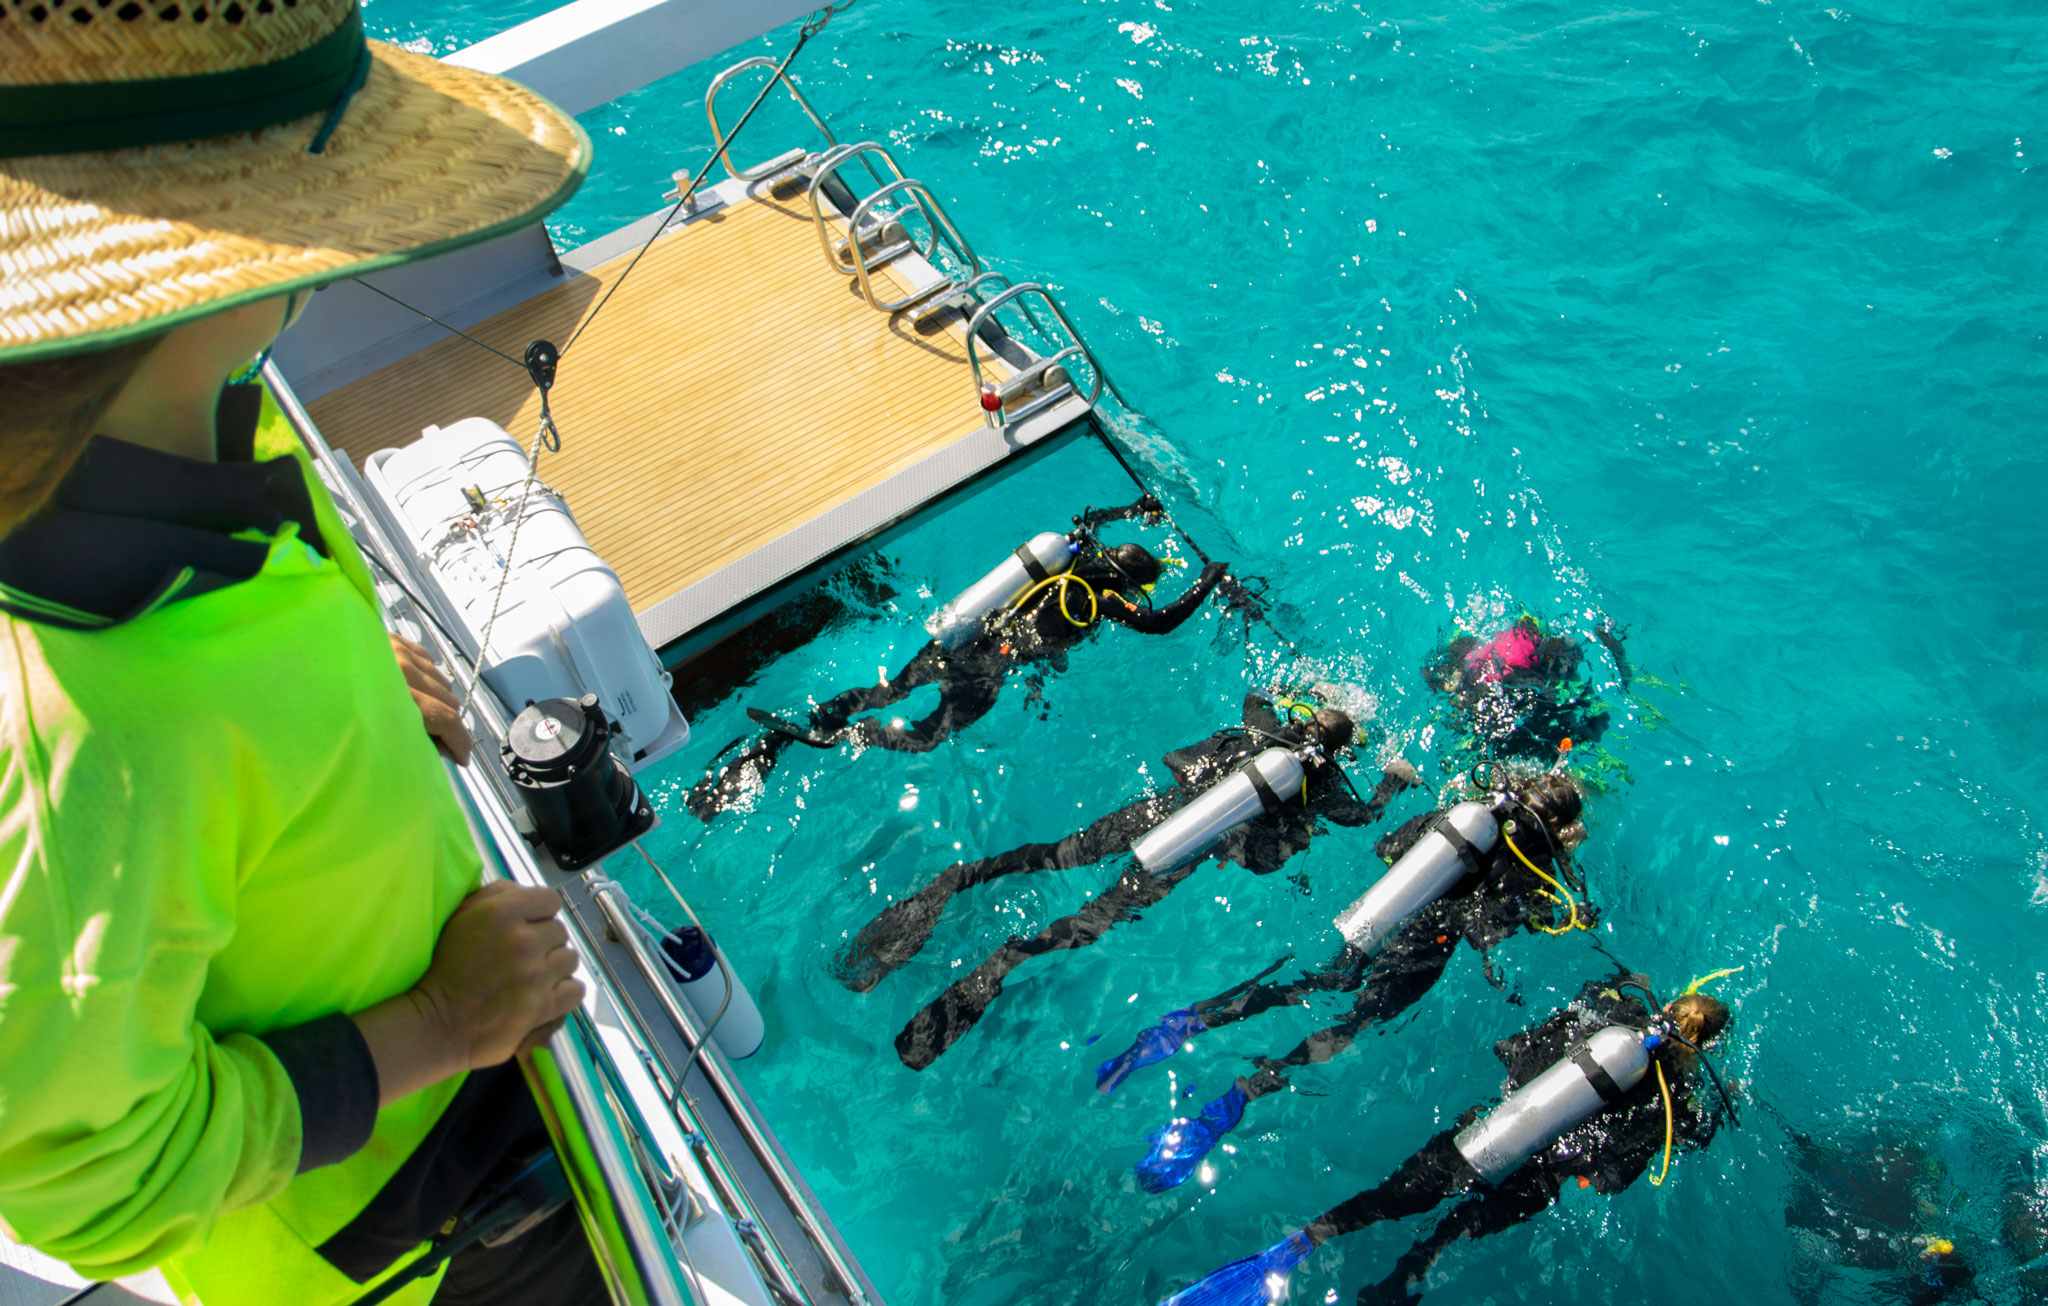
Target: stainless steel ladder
point(900, 217)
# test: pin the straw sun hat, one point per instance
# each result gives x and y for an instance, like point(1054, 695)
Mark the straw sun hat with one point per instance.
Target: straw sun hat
point(161, 160)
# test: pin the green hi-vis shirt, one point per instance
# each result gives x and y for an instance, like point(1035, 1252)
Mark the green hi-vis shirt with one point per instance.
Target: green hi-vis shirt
point(218, 819)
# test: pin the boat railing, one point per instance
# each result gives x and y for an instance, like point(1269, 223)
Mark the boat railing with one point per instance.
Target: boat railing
point(624, 1213)
point(634, 1203)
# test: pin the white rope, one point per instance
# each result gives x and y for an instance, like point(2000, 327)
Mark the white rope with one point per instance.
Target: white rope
point(540, 437)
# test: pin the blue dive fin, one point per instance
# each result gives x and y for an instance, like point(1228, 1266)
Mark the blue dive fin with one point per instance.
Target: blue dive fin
point(1254, 1281)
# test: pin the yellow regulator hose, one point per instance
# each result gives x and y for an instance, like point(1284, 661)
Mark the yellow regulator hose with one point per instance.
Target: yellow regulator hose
point(1063, 580)
point(1665, 1086)
point(1562, 894)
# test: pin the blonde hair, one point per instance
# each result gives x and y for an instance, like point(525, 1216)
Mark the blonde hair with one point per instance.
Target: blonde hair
point(47, 412)
point(1700, 1017)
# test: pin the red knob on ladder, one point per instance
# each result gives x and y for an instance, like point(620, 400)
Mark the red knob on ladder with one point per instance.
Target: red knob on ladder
point(991, 397)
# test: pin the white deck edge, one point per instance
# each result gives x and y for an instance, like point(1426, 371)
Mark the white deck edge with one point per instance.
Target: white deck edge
point(592, 52)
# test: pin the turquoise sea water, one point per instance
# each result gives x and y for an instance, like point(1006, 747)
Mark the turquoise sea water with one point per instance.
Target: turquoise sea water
point(1722, 323)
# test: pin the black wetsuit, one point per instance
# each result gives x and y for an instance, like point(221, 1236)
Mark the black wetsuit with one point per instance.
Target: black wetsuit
point(969, 678)
point(1525, 712)
point(1482, 909)
point(1262, 846)
point(1610, 1151)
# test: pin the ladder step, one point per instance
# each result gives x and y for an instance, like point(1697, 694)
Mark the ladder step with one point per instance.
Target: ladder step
point(780, 167)
point(1039, 405)
point(891, 234)
point(889, 254)
point(1041, 375)
point(930, 303)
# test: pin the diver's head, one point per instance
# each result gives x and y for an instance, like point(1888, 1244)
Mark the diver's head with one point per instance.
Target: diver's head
point(1554, 800)
point(1330, 729)
point(1134, 563)
point(1699, 1018)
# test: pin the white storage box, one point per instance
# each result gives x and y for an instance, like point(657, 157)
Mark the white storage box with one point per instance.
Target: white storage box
point(563, 627)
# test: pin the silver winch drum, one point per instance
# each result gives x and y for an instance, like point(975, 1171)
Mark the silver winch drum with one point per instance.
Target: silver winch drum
point(1259, 786)
point(1039, 559)
point(1420, 876)
point(1537, 1114)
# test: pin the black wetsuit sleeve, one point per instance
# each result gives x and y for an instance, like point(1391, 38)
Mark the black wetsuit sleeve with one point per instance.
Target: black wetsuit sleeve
point(1200, 763)
point(1395, 844)
point(1342, 807)
point(1258, 714)
point(1497, 909)
point(1162, 621)
point(1528, 1053)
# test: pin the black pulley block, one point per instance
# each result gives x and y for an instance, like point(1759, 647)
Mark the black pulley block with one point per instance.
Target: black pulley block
point(584, 802)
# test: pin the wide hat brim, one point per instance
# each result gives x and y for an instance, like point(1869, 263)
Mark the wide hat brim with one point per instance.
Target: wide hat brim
point(103, 248)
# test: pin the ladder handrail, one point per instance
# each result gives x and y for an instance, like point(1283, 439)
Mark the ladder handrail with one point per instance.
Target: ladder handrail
point(935, 217)
point(1016, 293)
point(828, 166)
point(973, 286)
point(758, 171)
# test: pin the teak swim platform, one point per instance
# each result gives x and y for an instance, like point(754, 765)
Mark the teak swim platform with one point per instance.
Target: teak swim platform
point(737, 412)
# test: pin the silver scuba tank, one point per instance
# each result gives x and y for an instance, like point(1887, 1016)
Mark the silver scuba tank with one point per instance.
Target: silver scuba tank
point(1041, 558)
point(1419, 877)
point(1224, 806)
point(1537, 1114)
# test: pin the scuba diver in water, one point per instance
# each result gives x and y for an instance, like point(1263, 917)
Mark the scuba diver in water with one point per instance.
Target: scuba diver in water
point(1878, 1206)
point(1875, 1206)
point(1253, 794)
point(1478, 871)
point(1522, 691)
point(1049, 596)
point(1594, 1093)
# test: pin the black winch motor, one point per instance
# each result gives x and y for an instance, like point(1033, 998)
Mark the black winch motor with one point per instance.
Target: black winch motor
point(582, 797)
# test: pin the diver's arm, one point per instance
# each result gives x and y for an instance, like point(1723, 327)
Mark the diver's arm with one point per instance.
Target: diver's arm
point(1146, 506)
point(1162, 621)
point(1494, 914)
point(1340, 802)
point(1395, 844)
point(1258, 715)
point(1632, 1138)
point(1528, 1053)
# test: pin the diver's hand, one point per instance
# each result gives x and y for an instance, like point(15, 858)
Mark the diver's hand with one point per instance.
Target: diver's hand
point(1236, 596)
point(434, 695)
point(503, 974)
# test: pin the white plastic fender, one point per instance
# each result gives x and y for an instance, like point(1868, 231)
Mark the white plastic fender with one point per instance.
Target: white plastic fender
point(1538, 1113)
point(1417, 878)
point(740, 1031)
point(959, 621)
point(1227, 804)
